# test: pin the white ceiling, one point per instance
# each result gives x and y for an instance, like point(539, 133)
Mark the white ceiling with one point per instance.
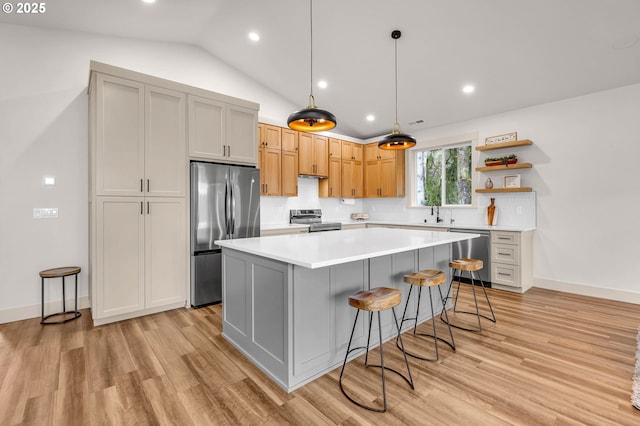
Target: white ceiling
point(517, 53)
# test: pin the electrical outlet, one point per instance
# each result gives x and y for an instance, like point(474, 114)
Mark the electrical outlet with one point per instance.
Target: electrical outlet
point(45, 213)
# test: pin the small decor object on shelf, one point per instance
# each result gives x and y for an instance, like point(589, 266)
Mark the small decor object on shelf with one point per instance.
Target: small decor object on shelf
point(491, 212)
point(507, 137)
point(489, 183)
point(501, 161)
point(512, 181)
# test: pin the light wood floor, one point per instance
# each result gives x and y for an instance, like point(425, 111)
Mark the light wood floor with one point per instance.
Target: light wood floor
point(552, 358)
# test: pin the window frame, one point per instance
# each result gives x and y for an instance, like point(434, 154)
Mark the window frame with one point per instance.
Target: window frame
point(443, 143)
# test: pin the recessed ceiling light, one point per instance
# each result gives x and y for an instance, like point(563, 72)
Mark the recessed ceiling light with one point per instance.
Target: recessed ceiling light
point(468, 89)
point(371, 117)
point(149, 1)
point(322, 84)
point(254, 36)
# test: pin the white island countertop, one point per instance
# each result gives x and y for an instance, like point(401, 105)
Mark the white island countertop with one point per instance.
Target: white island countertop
point(320, 249)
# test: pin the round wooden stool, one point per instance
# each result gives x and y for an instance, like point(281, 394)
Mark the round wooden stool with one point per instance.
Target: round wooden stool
point(60, 273)
point(427, 278)
point(375, 300)
point(471, 266)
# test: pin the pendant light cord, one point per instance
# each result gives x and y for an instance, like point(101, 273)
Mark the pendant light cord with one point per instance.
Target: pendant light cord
point(396, 60)
point(311, 98)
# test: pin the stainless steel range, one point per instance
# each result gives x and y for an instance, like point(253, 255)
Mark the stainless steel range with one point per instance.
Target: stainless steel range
point(313, 218)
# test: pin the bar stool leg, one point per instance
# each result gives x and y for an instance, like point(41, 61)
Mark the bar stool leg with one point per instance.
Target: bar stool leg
point(444, 310)
point(64, 298)
point(76, 304)
point(42, 304)
point(473, 278)
point(381, 366)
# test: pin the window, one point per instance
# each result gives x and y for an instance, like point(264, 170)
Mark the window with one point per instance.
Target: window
point(443, 176)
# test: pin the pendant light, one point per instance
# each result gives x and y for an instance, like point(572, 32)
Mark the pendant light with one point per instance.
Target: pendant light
point(312, 118)
point(397, 139)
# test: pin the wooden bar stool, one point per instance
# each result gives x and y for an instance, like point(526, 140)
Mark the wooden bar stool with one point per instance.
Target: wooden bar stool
point(60, 273)
point(471, 266)
point(375, 300)
point(427, 278)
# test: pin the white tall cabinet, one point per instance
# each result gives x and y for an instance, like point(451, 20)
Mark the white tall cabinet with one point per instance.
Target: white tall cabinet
point(143, 131)
point(138, 220)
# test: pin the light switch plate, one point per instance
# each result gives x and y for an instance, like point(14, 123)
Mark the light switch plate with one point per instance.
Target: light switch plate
point(45, 213)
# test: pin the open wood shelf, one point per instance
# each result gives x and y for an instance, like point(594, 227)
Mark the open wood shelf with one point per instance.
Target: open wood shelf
point(523, 142)
point(504, 167)
point(521, 189)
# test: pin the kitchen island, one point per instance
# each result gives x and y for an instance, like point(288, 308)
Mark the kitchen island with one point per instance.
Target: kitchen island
point(285, 298)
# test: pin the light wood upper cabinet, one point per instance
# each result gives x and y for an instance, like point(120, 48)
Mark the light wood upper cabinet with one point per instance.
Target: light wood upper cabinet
point(289, 173)
point(289, 143)
point(332, 185)
point(269, 159)
point(352, 175)
point(221, 131)
point(289, 140)
point(119, 136)
point(335, 148)
point(351, 151)
point(383, 172)
point(313, 157)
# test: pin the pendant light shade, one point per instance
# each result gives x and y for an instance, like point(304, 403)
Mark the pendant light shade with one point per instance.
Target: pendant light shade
point(311, 118)
point(397, 139)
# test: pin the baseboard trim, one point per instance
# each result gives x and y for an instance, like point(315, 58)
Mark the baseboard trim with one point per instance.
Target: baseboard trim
point(587, 290)
point(33, 311)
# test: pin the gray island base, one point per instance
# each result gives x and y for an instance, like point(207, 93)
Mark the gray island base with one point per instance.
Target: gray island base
point(285, 298)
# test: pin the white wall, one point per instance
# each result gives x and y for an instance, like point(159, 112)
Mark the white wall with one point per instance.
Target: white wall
point(43, 131)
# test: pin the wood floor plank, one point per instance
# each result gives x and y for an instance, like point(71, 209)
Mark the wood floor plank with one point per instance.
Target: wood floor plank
point(552, 358)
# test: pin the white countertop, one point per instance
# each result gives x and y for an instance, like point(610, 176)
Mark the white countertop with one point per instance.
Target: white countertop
point(320, 249)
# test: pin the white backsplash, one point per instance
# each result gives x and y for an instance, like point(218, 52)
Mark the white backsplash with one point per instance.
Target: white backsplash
point(514, 209)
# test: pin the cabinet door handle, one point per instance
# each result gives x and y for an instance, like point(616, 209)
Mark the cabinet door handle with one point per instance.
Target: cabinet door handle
point(504, 238)
point(141, 211)
point(147, 207)
point(504, 254)
point(147, 185)
point(141, 187)
point(503, 274)
point(228, 150)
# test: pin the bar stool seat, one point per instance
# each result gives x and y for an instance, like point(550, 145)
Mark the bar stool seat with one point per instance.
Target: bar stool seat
point(426, 278)
point(60, 273)
point(471, 266)
point(375, 300)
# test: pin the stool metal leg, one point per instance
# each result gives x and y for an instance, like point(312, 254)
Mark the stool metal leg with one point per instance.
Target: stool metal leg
point(433, 319)
point(42, 309)
point(381, 366)
point(64, 298)
point(473, 278)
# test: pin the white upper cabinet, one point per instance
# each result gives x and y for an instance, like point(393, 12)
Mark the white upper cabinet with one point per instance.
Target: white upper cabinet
point(140, 139)
point(119, 136)
point(222, 131)
point(165, 142)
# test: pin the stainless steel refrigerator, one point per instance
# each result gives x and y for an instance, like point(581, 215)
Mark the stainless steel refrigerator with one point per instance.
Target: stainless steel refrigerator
point(225, 204)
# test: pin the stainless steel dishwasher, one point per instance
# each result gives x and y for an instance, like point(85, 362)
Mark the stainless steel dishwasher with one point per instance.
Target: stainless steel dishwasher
point(476, 248)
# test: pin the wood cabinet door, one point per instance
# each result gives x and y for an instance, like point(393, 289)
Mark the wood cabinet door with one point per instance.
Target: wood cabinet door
point(289, 173)
point(241, 134)
point(289, 140)
point(387, 180)
point(371, 179)
point(305, 154)
point(371, 152)
point(119, 268)
point(206, 128)
point(270, 172)
point(335, 148)
point(335, 178)
point(358, 179)
point(119, 146)
point(357, 152)
point(165, 242)
point(271, 136)
point(165, 142)
point(321, 155)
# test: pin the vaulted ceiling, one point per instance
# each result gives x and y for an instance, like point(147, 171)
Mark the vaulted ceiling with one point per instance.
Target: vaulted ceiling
point(516, 53)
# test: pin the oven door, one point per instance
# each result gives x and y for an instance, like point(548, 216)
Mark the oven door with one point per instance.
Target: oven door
point(476, 248)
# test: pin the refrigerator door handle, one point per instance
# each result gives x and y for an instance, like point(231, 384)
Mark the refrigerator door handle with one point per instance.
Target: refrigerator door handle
point(232, 215)
point(226, 210)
